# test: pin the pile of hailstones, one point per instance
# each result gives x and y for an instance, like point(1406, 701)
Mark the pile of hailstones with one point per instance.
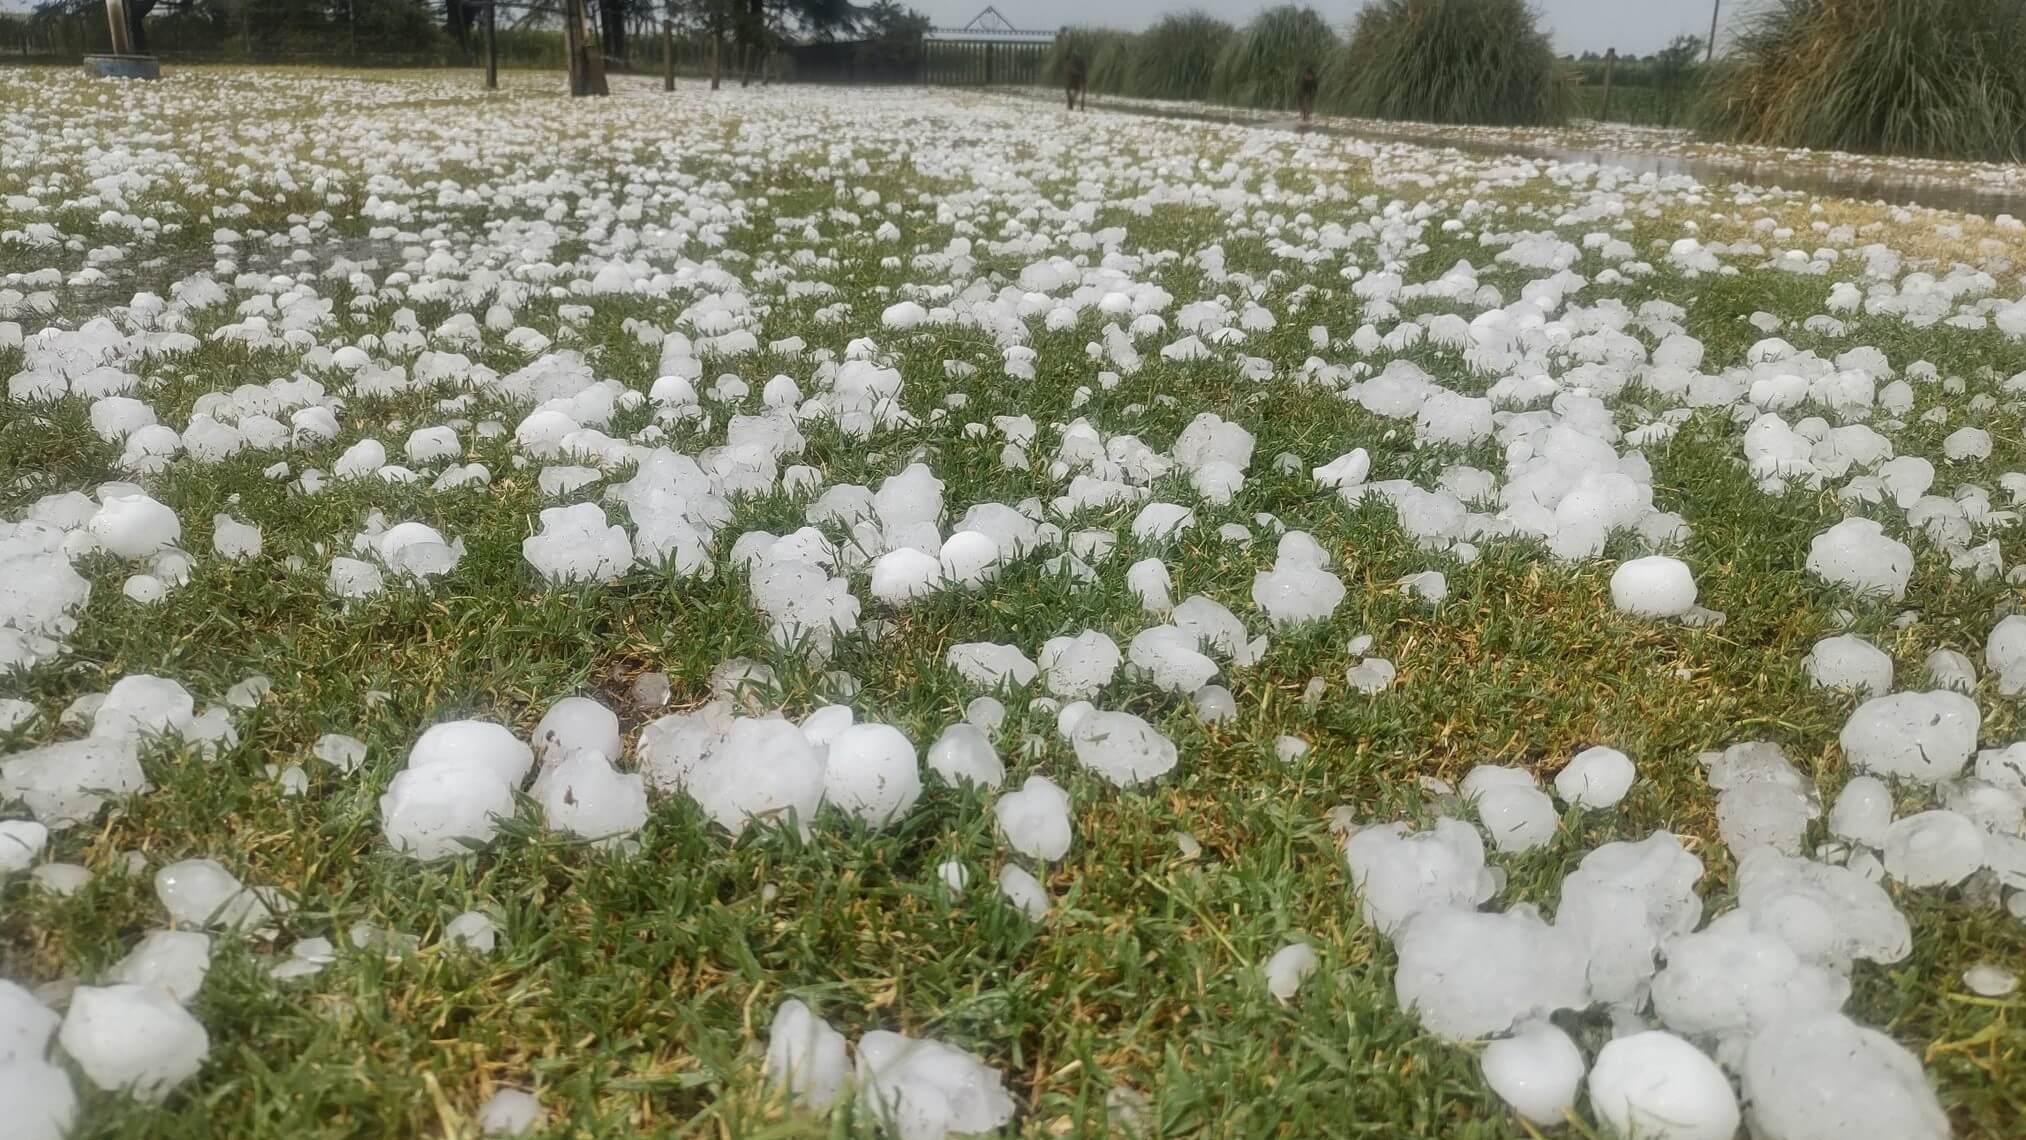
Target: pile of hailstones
point(132, 1032)
point(1759, 989)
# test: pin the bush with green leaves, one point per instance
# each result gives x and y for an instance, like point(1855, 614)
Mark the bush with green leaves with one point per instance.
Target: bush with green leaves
point(1261, 65)
point(1939, 78)
point(1104, 51)
point(1177, 58)
point(1448, 61)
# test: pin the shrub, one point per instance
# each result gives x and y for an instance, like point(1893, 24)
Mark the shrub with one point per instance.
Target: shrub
point(1176, 58)
point(1448, 61)
point(1944, 78)
point(1261, 65)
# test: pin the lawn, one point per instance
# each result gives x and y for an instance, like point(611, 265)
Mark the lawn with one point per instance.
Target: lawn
point(407, 251)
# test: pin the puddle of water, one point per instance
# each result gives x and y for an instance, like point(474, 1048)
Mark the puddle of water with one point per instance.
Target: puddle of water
point(1867, 185)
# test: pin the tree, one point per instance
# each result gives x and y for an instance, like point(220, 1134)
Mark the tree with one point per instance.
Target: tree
point(1675, 68)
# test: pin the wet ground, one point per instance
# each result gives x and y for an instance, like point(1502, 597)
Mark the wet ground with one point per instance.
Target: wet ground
point(1856, 178)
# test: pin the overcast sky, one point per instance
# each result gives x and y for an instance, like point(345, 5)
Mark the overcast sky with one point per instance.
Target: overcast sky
point(1632, 26)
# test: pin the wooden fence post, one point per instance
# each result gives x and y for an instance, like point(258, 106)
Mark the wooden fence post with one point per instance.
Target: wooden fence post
point(668, 55)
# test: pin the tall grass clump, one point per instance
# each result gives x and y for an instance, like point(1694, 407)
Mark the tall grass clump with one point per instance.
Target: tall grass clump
point(1177, 58)
point(1448, 61)
point(1111, 69)
point(1261, 65)
point(1104, 50)
point(1938, 78)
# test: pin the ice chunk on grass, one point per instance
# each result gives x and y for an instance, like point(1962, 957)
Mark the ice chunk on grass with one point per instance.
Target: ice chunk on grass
point(1537, 1071)
point(133, 1039)
point(1035, 819)
point(1122, 748)
point(1655, 1086)
point(926, 1090)
point(806, 1058)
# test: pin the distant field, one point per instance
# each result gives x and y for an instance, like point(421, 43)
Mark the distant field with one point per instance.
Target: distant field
point(1346, 484)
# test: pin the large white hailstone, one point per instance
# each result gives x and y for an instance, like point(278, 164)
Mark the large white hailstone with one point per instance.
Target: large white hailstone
point(872, 773)
point(577, 544)
point(989, 665)
point(133, 1039)
point(1035, 819)
point(968, 557)
point(903, 315)
point(1857, 554)
point(509, 1112)
point(926, 1090)
point(763, 768)
point(1290, 594)
point(1927, 737)
point(1862, 812)
point(1171, 658)
point(135, 526)
point(1952, 669)
point(354, 578)
point(490, 745)
point(234, 540)
point(345, 753)
point(1655, 586)
point(822, 726)
point(586, 797)
point(964, 754)
point(433, 811)
point(1828, 1078)
point(417, 550)
point(1288, 968)
point(806, 1057)
point(1077, 667)
point(905, 574)
point(1122, 748)
point(144, 705)
point(1398, 874)
point(1346, 470)
point(577, 723)
point(172, 960)
point(25, 1024)
point(1468, 974)
point(1514, 811)
point(2005, 655)
point(201, 892)
point(41, 1105)
point(1158, 522)
point(1148, 580)
point(1597, 778)
point(1731, 979)
point(1847, 661)
point(65, 784)
point(22, 841)
point(1655, 1086)
point(1537, 1071)
point(1936, 848)
point(1024, 891)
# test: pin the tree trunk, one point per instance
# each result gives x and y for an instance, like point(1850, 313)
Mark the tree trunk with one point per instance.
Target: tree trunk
point(457, 21)
point(717, 60)
point(612, 28)
point(137, 27)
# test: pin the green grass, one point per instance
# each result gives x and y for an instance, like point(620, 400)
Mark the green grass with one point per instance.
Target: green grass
point(1937, 78)
point(1177, 57)
point(632, 991)
point(1261, 66)
point(1448, 61)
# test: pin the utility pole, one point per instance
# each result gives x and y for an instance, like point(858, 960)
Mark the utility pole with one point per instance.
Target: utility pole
point(1709, 50)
